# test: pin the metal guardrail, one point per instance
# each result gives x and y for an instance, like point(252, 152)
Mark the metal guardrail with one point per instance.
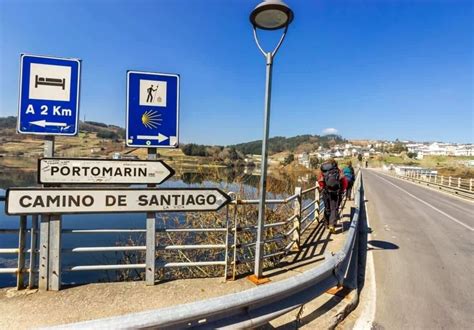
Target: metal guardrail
point(459, 186)
point(288, 233)
point(21, 251)
point(250, 308)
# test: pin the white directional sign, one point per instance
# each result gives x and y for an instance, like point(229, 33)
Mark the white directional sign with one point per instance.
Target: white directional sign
point(76, 170)
point(49, 95)
point(127, 200)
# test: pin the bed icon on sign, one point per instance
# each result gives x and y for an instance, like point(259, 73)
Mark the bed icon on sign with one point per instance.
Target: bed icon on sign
point(50, 82)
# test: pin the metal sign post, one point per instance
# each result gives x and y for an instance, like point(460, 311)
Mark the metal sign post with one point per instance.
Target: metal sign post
point(152, 109)
point(150, 235)
point(50, 240)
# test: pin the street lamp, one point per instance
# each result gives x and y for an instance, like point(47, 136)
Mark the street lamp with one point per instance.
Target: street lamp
point(268, 15)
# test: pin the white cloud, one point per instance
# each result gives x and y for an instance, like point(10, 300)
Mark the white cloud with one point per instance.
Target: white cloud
point(329, 130)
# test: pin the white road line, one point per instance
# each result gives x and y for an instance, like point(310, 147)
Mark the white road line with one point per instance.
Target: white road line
point(427, 204)
point(367, 316)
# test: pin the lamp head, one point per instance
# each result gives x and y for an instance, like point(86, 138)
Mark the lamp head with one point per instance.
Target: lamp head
point(271, 15)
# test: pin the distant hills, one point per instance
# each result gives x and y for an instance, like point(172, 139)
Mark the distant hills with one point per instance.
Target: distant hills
point(103, 131)
point(277, 144)
point(299, 143)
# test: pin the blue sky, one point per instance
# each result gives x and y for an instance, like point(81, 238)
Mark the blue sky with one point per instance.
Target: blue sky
point(378, 69)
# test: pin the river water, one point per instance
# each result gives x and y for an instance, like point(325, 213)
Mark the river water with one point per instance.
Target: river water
point(239, 181)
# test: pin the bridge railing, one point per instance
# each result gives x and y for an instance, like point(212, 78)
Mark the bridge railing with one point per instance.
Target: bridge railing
point(233, 245)
point(254, 307)
point(456, 185)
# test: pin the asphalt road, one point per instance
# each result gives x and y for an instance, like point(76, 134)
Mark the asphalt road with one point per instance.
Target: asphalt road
point(423, 250)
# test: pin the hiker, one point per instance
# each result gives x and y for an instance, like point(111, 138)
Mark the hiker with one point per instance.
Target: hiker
point(350, 177)
point(149, 98)
point(332, 185)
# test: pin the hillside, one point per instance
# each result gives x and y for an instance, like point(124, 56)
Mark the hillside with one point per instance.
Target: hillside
point(8, 128)
point(299, 143)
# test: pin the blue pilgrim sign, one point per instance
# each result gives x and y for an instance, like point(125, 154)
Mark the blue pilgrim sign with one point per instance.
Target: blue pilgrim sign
point(152, 109)
point(49, 95)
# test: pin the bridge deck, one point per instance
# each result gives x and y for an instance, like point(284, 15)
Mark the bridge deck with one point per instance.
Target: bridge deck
point(28, 309)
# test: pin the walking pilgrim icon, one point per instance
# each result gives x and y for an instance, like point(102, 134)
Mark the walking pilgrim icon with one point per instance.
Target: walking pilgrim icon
point(150, 89)
point(153, 93)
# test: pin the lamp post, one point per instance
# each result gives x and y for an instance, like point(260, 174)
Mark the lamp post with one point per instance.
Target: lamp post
point(268, 15)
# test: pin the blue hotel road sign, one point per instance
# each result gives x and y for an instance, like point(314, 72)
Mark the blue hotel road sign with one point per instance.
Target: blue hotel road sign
point(49, 95)
point(152, 109)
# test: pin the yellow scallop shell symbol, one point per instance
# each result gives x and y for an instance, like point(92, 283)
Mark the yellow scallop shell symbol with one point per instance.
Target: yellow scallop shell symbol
point(151, 119)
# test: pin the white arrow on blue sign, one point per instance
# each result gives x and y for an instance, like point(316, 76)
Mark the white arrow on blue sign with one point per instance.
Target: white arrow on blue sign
point(152, 109)
point(49, 95)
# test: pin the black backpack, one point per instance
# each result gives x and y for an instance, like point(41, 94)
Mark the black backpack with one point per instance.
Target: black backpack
point(331, 176)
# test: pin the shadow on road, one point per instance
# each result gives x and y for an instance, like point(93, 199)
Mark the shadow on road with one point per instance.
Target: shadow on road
point(381, 245)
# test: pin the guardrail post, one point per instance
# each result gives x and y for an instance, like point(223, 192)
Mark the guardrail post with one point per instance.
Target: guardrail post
point(470, 184)
point(442, 180)
point(227, 232)
point(20, 284)
point(33, 239)
point(234, 250)
point(54, 269)
point(436, 179)
point(150, 235)
point(459, 182)
point(297, 221)
point(449, 182)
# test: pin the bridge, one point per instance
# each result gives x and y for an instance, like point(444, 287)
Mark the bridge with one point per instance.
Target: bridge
point(411, 238)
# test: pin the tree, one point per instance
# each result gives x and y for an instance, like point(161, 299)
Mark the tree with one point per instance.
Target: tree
point(103, 134)
point(288, 159)
point(314, 162)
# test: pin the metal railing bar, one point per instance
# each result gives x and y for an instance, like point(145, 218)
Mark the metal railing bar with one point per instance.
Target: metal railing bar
point(274, 254)
point(8, 270)
point(104, 249)
point(309, 190)
point(101, 231)
point(291, 231)
point(8, 251)
point(268, 201)
point(268, 225)
point(192, 264)
point(15, 250)
point(104, 267)
point(271, 240)
point(288, 246)
point(308, 206)
point(10, 231)
point(308, 215)
point(307, 225)
point(192, 247)
point(190, 230)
